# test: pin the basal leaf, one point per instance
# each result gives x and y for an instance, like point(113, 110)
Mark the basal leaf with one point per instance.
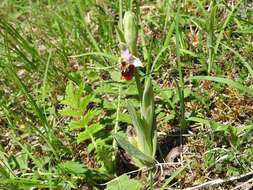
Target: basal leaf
point(132, 150)
point(147, 108)
point(142, 130)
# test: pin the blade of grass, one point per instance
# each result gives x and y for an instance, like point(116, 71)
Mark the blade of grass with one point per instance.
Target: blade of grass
point(164, 48)
point(109, 56)
point(180, 85)
point(229, 82)
point(243, 61)
point(210, 36)
point(173, 176)
point(44, 84)
point(220, 36)
point(38, 111)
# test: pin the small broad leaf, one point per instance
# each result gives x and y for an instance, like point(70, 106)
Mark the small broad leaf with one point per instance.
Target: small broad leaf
point(104, 156)
point(72, 167)
point(70, 112)
point(176, 98)
point(22, 160)
point(108, 88)
point(132, 150)
point(4, 173)
point(131, 90)
point(71, 99)
point(124, 183)
point(76, 124)
point(91, 130)
point(84, 102)
point(123, 117)
point(90, 115)
point(115, 75)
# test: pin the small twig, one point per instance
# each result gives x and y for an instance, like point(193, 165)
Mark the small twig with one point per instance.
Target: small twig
point(221, 181)
point(245, 185)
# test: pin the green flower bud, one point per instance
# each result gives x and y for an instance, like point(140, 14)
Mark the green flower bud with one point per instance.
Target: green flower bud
point(130, 31)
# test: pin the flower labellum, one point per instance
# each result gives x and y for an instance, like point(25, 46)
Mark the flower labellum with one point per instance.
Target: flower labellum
point(129, 64)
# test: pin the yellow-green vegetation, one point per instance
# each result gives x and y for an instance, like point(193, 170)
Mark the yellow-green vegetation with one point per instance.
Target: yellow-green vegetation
point(69, 120)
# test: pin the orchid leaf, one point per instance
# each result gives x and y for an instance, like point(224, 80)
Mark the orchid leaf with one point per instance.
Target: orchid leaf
point(148, 115)
point(140, 128)
point(148, 104)
point(132, 150)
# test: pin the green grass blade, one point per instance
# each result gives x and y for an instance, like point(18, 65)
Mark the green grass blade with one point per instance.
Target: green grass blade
point(244, 62)
point(173, 176)
point(220, 36)
point(229, 82)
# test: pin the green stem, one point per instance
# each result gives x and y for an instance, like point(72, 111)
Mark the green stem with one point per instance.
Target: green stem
point(138, 83)
point(120, 15)
point(116, 126)
point(151, 181)
point(180, 86)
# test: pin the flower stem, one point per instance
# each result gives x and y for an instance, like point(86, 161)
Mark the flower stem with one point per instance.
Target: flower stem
point(138, 83)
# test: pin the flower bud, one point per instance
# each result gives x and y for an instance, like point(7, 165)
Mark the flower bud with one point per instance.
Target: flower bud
point(130, 31)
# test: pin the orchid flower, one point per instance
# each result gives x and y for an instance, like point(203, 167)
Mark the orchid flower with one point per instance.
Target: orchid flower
point(128, 64)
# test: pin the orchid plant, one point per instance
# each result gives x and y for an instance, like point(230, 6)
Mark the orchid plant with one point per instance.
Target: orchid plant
point(141, 146)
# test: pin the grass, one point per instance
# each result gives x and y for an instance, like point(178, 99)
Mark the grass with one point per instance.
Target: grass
point(199, 54)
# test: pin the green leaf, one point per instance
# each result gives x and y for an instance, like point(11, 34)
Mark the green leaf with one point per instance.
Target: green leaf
point(132, 150)
point(131, 90)
point(72, 167)
point(73, 97)
point(123, 117)
point(199, 120)
point(124, 183)
point(70, 98)
point(90, 115)
point(147, 108)
point(165, 94)
point(90, 130)
point(71, 112)
point(176, 98)
point(115, 75)
point(84, 102)
point(140, 128)
point(4, 173)
point(107, 88)
point(148, 115)
point(76, 125)
point(22, 160)
point(104, 155)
